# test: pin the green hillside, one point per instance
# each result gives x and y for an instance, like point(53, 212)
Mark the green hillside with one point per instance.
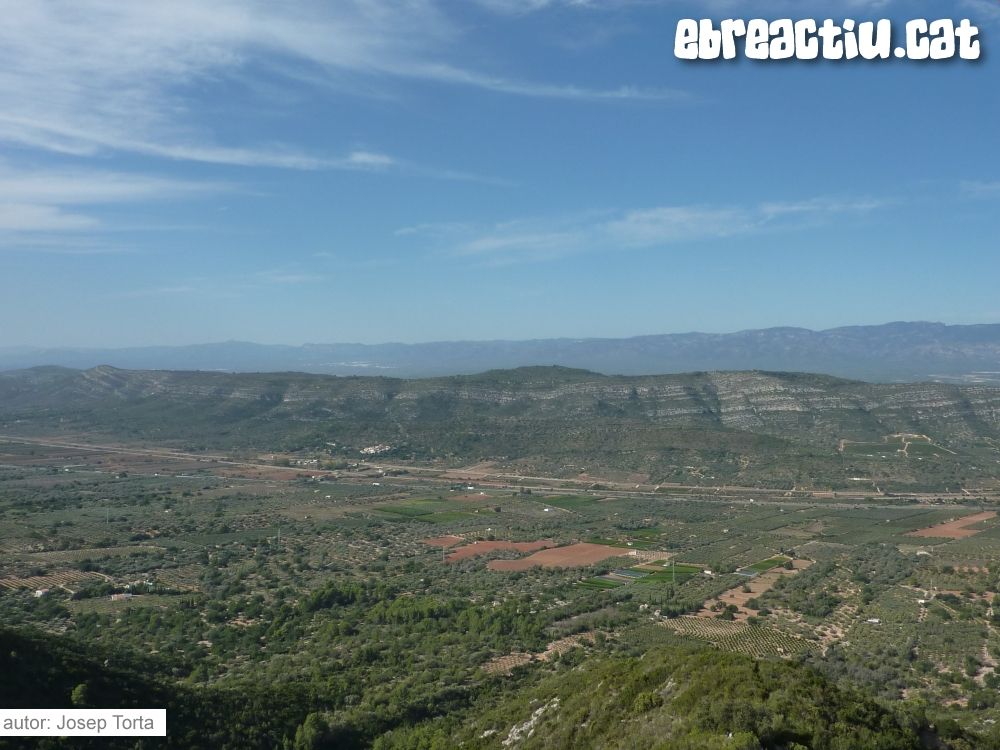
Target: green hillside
point(46, 671)
point(670, 696)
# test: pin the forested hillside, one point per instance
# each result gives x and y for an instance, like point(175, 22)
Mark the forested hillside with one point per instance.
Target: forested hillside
point(780, 428)
point(678, 696)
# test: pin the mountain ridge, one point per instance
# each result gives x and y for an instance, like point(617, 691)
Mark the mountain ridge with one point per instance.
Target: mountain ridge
point(784, 426)
point(899, 351)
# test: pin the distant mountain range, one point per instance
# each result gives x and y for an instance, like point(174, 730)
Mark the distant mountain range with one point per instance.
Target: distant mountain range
point(883, 353)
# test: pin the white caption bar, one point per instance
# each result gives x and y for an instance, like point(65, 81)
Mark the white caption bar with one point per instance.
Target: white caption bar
point(83, 722)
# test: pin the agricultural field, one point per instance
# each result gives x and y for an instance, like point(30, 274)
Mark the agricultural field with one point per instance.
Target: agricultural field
point(481, 548)
point(765, 565)
point(672, 573)
point(961, 528)
point(755, 640)
point(576, 555)
point(200, 567)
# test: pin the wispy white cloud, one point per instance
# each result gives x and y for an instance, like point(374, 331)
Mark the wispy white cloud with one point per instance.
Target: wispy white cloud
point(52, 202)
point(981, 188)
point(67, 137)
point(170, 290)
point(91, 186)
point(286, 276)
point(232, 285)
point(84, 76)
point(821, 207)
point(532, 240)
point(670, 224)
point(55, 241)
point(986, 10)
point(524, 7)
point(27, 217)
point(449, 74)
point(434, 229)
point(370, 160)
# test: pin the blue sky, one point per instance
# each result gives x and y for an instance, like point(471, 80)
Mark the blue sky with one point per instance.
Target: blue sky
point(366, 170)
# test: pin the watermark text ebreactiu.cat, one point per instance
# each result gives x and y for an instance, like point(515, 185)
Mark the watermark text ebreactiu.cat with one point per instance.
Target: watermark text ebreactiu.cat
point(809, 39)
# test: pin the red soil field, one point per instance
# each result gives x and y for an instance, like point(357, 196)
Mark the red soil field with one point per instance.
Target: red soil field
point(955, 529)
point(476, 549)
point(575, 555)
point(444, 542)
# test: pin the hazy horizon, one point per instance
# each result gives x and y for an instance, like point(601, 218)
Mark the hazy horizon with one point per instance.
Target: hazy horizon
point(499, 339)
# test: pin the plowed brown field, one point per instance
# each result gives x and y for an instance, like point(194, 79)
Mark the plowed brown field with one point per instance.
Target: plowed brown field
point(575, 555)
point(958, 529)
point(478, 549)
